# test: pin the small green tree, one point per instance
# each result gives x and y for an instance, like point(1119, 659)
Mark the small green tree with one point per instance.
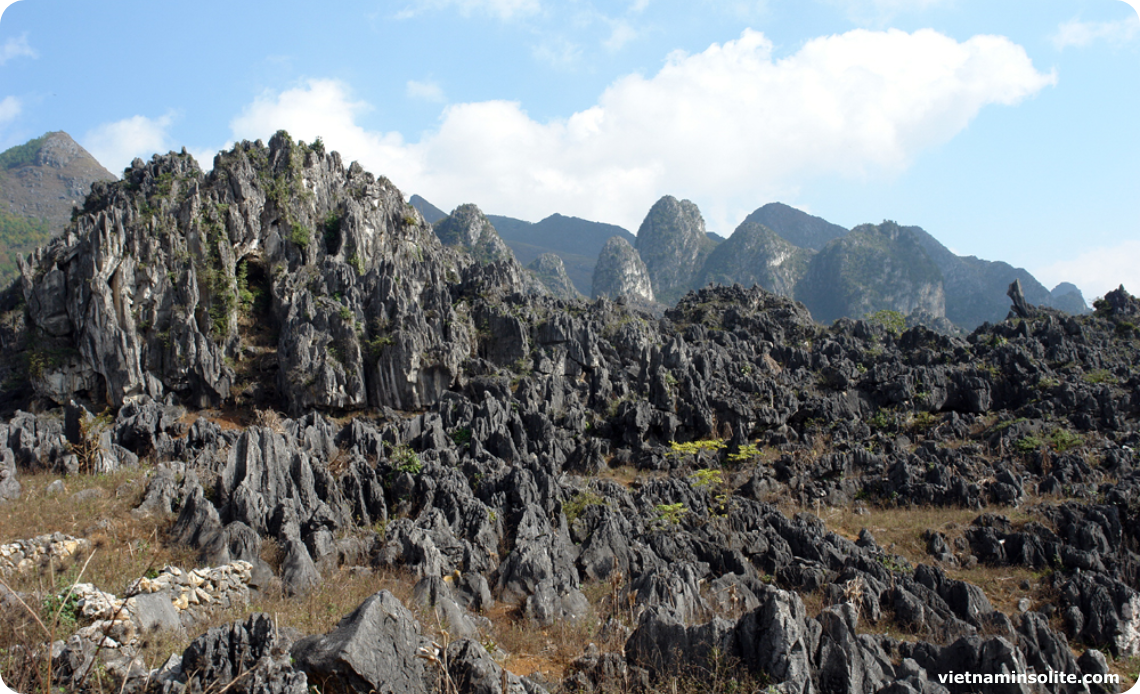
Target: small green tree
point(893, 321)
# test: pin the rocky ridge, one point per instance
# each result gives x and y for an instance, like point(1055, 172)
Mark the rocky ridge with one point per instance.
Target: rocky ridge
point(519, 450)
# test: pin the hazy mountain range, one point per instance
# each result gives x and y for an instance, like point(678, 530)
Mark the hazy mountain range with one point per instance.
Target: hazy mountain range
point(834, 271)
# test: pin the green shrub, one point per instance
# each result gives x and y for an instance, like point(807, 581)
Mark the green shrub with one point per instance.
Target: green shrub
point(299, 235)
point(576, 506)
point(893, 321)
point(1028, 444)
point(671, 514)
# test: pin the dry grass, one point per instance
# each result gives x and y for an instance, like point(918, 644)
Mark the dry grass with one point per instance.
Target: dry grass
point(899, 530)
point(125, 546)
point(123, 549)
point(528, 648)
point(1127, 668)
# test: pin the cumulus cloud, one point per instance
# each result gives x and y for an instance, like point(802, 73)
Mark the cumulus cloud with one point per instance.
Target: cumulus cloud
point(502, 9)
point(115, 145)
point(1079, 34)
point(731, 127)
point(425, 91)
point(17, 48)
point(10, 108)
point(1097, 270)
point(325, 109)
point(881, 11)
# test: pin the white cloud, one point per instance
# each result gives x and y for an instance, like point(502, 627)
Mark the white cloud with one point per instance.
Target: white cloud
point(502, 9)
point(729, 128)
point(425, 91)
point(882, 11)
point(1097, 270)
point(10, 108)
point(115, 145)
point(557, 51)
point(1079, 34)
point(323, 108)
point(621, 33)
point(16, 48)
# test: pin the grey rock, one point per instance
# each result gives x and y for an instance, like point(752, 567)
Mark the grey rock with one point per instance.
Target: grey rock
point(472, 670)
point(435, 594)
point(620, 272)
point(9, 485)
point(755, 254)
point(374, 648)
point(153, 612)
point(551, 271)
point(468, 228)
point(249, 657)
point(673, 244)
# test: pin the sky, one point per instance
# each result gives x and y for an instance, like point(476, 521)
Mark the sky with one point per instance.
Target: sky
point(1005, 129)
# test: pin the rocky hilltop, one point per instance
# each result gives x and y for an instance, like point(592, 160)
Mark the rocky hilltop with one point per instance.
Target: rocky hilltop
point(620, 272)
point(797, 227)
point(875, 267)
point(297, 391)
point(755, 254)
point(40, 182)
point(673, 244)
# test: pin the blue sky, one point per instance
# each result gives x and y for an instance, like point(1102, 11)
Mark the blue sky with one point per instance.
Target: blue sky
point(1006, 129)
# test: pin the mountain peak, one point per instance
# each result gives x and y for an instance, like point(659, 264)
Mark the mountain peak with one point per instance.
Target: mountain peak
point(40, 182)
point(796, 226)
point(673, 244)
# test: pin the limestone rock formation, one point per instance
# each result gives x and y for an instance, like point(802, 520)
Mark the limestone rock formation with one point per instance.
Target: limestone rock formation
point(468, 228)
point(280, 272)
point(875, 267)
point(550, 270)
point(620, 272)
point(578, 242)
point(755, 254)
point(796, 226)
point(673, 244)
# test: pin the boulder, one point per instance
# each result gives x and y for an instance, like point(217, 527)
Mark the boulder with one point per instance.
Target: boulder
point(374, 648)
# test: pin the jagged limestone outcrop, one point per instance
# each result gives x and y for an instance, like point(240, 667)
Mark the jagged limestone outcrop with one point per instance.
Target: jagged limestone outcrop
point(755, 254)
point(673, 244)
point(871, 269)
point(551, 271)
point(279, 261)
point(621, 272)
point(468, 228)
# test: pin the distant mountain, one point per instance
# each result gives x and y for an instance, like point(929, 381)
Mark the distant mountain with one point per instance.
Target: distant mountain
point(755, 254)
point(576, 241)
point(40, 182)
point(551, 271)
point(430, 212)
point(976, 288)
point(872, 268)
point(1067, 297)
point(797, 226)
point(673, 244)
point(834, 272)
point(621, 272)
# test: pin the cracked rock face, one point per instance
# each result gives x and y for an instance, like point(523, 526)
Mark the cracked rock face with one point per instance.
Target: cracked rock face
point(346, 282)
